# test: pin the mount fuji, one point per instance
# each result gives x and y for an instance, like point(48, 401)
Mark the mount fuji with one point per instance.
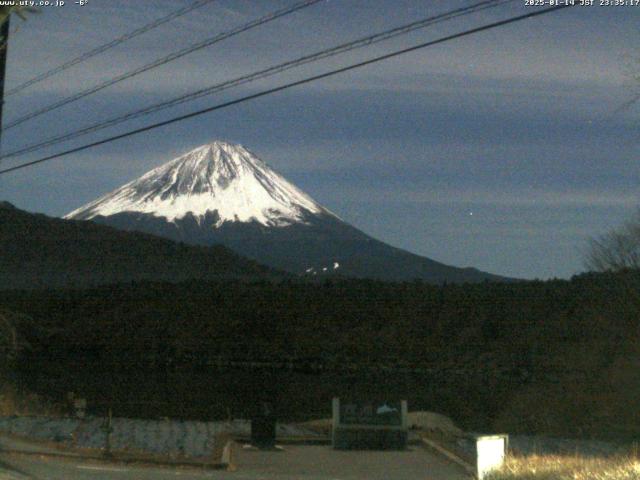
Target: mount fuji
point(222, 193)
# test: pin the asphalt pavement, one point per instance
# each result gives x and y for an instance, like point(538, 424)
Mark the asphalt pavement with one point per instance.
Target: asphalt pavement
point(300, 462)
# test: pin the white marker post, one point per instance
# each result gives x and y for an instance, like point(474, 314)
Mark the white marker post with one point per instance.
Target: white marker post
point(491, 451)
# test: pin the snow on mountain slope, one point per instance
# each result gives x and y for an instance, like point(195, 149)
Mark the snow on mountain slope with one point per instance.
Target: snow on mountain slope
point(222, 194)
point(216, 177)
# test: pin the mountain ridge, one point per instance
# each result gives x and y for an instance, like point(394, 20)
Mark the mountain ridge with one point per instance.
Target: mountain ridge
point(221, 193)
point(37, 251)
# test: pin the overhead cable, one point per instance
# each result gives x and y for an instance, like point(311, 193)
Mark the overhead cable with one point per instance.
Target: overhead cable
point(162, 61)
point(290, 85)
point(264, 73)
point(103, 48)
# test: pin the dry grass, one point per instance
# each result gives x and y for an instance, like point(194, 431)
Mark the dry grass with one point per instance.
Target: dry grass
point(13, 402)
point(557, 467)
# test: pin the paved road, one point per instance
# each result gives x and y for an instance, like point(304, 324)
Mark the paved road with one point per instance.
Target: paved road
point(18, 467)
point(294, 462)
point(324, 463)
point(45, 466)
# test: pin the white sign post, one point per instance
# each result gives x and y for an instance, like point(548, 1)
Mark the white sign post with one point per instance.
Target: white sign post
point(491, 451)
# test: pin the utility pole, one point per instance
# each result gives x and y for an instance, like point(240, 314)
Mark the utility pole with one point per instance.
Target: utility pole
point(4, 34)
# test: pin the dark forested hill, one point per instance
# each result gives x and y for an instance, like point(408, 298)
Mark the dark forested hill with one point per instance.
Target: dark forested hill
point(37, 251)
point(555, 357)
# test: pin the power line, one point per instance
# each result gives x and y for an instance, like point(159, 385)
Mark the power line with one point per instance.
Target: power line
point(113, 43)
point(163, 60)
point(290, 85)
point(342, 48)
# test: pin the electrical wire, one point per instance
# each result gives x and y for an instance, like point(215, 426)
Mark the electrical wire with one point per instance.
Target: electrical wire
point(103, 48)
point(290, 85)
point(162, 61)
point(346, 47)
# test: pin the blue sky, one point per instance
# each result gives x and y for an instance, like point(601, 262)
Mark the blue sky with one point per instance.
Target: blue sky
point(504, 150)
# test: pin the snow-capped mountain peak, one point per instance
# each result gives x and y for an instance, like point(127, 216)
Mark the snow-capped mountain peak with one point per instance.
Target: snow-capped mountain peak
point(217, 177)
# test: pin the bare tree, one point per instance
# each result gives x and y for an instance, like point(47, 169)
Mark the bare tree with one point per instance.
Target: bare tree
point(21, 12)
point(632, 72)
point(616, 250)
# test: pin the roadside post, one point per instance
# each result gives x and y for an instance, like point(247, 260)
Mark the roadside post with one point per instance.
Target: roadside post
point(107, 428)
point(263, 427)
point(490, 453)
